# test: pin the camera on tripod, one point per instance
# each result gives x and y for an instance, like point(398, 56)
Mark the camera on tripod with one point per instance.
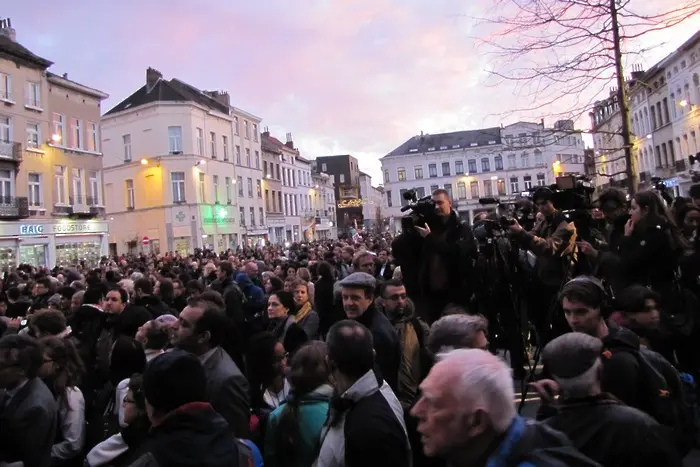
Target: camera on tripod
point(422, 211)
point(494, 224)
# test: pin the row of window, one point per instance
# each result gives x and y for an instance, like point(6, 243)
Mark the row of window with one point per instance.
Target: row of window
point(471, 167)
point(477, 189)
point(292, 205)
point(288, 177)
point(175, 146)
point(645, 121)
point(81, 135)
point(81, 193)
point(32, 92)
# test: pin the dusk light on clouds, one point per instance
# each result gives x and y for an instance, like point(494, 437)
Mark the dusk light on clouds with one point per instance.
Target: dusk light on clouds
point(343, 76)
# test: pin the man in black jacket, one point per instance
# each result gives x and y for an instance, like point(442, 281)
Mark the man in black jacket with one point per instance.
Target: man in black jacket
point(358, 293)
point(28, 411)
point(186, 429)
point(599, 425)
point(437, 260)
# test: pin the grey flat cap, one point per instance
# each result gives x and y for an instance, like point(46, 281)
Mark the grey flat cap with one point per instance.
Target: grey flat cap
point(359, 279)
point(571, 354)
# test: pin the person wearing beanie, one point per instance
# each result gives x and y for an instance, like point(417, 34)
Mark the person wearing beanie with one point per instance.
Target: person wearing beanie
point(186, 430)
point(598, 424)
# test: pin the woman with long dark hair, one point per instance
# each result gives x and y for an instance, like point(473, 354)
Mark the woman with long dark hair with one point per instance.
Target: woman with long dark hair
point(63, 371)
point(294, 429)
point(652, 244)
point(281, 311)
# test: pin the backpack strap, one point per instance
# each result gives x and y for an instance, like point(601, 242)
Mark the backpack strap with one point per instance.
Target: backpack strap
point(246, 456)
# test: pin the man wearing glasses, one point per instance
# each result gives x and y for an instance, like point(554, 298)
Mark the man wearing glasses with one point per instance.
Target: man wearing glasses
point(28, 412)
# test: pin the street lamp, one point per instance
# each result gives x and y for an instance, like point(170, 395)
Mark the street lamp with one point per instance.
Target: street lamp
point(56, 138)
point(144, 161)
point(683, 103)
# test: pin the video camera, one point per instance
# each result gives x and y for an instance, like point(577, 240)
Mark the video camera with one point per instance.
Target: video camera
point(572, 196)
point(660, 187)
point(422, 211)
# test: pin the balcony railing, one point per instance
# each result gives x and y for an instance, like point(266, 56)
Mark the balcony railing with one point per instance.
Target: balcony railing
point(14, 207)
point(11, 151)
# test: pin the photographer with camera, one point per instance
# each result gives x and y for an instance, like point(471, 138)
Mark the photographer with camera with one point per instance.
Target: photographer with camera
point(553, 242)
point(436, 253)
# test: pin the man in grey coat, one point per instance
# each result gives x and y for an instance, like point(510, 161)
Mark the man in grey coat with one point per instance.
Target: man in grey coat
point(28, 412)
point(201, 329)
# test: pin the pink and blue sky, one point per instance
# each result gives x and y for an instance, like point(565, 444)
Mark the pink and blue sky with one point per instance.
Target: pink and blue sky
point(343, 76)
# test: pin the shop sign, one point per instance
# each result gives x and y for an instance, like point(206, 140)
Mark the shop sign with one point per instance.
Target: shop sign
point(349, 203)
point(31, 229)
point(74, 228)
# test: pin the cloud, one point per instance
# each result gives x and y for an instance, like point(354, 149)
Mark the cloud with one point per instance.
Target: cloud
point(344, 76)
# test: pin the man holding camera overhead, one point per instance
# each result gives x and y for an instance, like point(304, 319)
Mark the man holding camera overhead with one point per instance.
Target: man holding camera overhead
point(437, 259)
point(553, 242)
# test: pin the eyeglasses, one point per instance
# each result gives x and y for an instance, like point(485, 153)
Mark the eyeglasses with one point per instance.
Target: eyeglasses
point(283, 357)
point(129, 401)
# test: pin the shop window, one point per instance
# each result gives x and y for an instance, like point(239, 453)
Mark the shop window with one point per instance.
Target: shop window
point(72, 253)
point(8, 258)
point(33, 254)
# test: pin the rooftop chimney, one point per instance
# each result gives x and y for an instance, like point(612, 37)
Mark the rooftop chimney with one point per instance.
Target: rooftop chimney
point(152, 78)
point(266, 132)
point(65, 75)
point(6, 29)
point(220, 96)
point(290, 142)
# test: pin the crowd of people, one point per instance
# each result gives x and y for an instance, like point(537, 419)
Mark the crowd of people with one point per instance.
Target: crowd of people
point(323, 354)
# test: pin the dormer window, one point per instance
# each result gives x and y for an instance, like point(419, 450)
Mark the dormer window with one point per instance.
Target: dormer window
point(413, 150)
point(474, 144)
point(443, 147)
point(455, 146)
point(492, 142)
point(431, 149)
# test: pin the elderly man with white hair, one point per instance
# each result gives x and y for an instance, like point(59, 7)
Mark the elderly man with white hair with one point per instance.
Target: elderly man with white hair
point(467, 416)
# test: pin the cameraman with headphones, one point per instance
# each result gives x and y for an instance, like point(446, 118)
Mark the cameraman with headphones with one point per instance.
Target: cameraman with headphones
point(553, 242)
point(437, 260)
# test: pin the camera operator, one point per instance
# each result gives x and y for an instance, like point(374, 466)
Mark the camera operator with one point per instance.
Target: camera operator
point(553, 242)
point(436, 259)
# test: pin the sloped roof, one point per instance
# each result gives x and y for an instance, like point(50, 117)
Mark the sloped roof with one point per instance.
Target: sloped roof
point(172, 90)
point(15, 50)
point(453, 140)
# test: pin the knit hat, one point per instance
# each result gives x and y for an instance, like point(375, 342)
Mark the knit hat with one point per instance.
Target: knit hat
point(174, 379)
point(571, 355)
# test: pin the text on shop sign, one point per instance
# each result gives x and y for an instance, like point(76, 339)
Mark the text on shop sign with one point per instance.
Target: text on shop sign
point(39, 229)
point(31, 229)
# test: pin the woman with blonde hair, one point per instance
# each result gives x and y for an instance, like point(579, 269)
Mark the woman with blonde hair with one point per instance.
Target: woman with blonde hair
point(305, 316)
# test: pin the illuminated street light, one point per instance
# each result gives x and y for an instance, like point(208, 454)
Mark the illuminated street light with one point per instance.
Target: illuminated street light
point(683, 103)
point(56, 138)
point(649, 136)
point(144, 161)
point(268, 176)
point(200, 162)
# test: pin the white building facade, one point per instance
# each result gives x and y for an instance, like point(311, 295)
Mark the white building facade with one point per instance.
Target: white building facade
point(665, 115)
point(172, 177)
point(488, 163)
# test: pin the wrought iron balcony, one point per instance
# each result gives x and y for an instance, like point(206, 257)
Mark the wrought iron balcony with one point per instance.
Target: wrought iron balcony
point(11, 151)
point(14, 207)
